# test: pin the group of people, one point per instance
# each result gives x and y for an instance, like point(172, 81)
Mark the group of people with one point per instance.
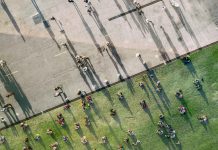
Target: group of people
point(60, 120)
point(165, 129)
point(86, 103)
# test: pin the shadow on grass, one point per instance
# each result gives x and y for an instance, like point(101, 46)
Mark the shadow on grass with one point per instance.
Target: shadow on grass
point(203, 95)
point(130, 85)
point(90, 116)
point(70, 111)
point(55, 124)
point(117, 119)
point(92, 130)
point(184, 103)
point(191, 69)
point(147, 110)
point(187, 118)
point(125, 104)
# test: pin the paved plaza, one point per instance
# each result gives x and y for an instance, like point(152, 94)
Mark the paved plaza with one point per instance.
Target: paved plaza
point(39, 57)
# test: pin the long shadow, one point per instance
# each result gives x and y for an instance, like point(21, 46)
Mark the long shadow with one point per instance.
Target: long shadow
point(88, 29)
point(111, 46)
point(191, 69)
point(204, 96)
point(92, 130)
point(179, 34)
point(13, 128)
point(186, 25)
point(55, 124)
point(187, 118)
point(121, 10)
point(125, 104)
point(158, 42)
point(11, 85)
point(13, 115)
point(46, 24)
point(129, 5)
point(170, 42)
point(147, 110)
point(158, 104)
point(11, 17)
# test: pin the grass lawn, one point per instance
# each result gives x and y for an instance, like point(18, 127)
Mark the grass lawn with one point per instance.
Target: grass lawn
point(192, 134)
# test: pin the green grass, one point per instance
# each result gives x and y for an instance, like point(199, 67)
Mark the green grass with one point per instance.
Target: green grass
point(174, 76)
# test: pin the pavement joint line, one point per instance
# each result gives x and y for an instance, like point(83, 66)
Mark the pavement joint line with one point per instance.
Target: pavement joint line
point(12, 73)
point(133, 10)
point(60, 54)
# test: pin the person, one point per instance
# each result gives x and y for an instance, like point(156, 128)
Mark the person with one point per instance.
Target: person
point(66, 106)
point(27, 147)
point(77, 126)
point(87, 121)
point(24, 125)
point(37, 137)
point(179, 94)
point(6, 107)
point(159, 132)
point(65, 138)
point(2, 139)
point(141, 84)
point(54, 146)
point(143, 104)
point(104, 139)
point(84, 140)
point(158, 83)
point(186, 59)
point(120, 96)
point(197, 84)
point(89, 100)
point(203, 119)
point(113, 112)
point(126, 140)
point(130, 132)
point(182, 110)
point(60, 116)
point(161, 117)
point(49, 131)
point(3, 120)
point(160, 124)
point(9, 94)
point(121, 147)
point(70, 1)
point(136, 143)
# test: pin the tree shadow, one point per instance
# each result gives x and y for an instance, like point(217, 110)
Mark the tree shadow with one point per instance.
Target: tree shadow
point(11, 17)
point(11, 85)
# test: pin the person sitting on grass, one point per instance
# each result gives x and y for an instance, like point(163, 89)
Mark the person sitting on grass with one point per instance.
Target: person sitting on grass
point(77, 126)
point(65, 138)
point(104, 139)
point(60, 116)
point(161, 117)
point(160, 124)
point(126, 140)
point(203, 119)
point(159, 132)
point(120, 96)
point(66, 106)
point(143, 104)
point(136, 143)
point(2, 139)
point(130, 132)
point(197, 84)
point(113, 112)
point(37, 137)
point(179, 94)
point(182, 110)
point(24, 125)
point(141, 84)
point(54, 146)
point(84, 140)
point(49, 131)
point(27, 148)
